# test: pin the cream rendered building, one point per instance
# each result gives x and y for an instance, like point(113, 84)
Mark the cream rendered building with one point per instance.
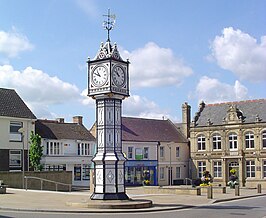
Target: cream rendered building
point(230, 135)
point(16, 123)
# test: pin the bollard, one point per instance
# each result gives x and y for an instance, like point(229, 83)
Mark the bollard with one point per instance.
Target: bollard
point(237, 190)
point(209, 192)
point(224, 190)
point(259, 188)
point(198, 191)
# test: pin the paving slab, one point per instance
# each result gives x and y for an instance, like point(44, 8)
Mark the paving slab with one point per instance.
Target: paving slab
point(79, 201)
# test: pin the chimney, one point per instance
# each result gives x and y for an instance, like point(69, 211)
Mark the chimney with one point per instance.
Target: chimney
point(186, 118)
point(78, 120)
point(60, 120)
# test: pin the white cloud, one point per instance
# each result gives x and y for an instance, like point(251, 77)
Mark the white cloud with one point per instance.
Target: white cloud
point(137, 106)
point(240, 53)
point(152, 66)
point(13, 42)
point(213, 91)
point(37, 88)
point(89, 7)
point(87, 100)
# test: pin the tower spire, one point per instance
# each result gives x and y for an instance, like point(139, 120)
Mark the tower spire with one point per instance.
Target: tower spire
point(109, 23)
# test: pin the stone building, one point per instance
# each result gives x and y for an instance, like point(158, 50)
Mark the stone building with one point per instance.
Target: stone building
point(229, 136)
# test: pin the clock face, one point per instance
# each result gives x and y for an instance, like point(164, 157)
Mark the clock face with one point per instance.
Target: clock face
point(99, 75)
point(118, 75)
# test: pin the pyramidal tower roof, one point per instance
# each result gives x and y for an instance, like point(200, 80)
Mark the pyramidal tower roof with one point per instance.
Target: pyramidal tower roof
point(108, 51)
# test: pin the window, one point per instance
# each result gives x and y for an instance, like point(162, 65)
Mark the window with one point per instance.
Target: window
point(264, 139)
point(201, 168)
point(250, 168)
point(177, 151)
point(83, 149)
point(216, 142)
point(53, 148)
point(161, 151)
point(85, 172)
point(61, 167)
point(178, 172)
point(217, 169)
point(249, 137)
point(15, 158)
point(14, 134)
point(161, 172)
point(77, 173)
point(146, 152)
point(233, 141)
point(264, 168)
point(130, 152)
point(201, 143)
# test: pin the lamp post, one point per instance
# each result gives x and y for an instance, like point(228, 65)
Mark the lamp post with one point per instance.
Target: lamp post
point(170, 171)
point(22, 131)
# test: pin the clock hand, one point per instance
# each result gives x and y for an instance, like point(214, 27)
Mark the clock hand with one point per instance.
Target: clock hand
point(97, 74)
point(117, 74)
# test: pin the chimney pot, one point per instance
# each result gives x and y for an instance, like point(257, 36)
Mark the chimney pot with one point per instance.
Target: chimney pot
point(60, 120)
point(78, 120)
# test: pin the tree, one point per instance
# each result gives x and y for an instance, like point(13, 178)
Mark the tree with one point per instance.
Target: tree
point(36, 150)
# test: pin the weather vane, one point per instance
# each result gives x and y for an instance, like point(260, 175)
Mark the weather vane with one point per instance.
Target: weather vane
point(109, 24)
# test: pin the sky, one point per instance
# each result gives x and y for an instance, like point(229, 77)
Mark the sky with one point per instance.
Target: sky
point(179, 51)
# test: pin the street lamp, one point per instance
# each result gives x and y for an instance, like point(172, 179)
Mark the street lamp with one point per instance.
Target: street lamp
point(22, 131)
point(170, 171)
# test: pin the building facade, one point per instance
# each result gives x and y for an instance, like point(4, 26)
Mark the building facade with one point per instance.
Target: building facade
point(16, 124)
point(67, 147)
point(156, 151)
point(230, 136)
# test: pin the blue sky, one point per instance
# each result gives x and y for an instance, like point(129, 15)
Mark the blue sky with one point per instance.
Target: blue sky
point(180, 51)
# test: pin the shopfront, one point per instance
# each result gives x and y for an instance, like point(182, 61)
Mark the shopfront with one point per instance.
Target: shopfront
point(138, 172)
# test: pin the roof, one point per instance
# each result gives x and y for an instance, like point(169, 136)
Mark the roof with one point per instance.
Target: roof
point(11, 105)
point(107, 50)
point(51, 129)
point(249, 111)
point(150, 130)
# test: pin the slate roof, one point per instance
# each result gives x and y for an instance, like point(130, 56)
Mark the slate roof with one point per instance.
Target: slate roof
point(51, 129)
point(217, 112)
point(150, 130)
point(11, 105)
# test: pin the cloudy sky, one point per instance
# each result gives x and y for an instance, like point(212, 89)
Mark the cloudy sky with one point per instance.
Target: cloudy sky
point(180, 51)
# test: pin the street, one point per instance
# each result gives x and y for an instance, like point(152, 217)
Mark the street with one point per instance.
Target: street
point(251, 207)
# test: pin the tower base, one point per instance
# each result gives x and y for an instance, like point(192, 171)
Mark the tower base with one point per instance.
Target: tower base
point(109, 196)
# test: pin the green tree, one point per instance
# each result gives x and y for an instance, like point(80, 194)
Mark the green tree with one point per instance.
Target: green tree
point(35, 151)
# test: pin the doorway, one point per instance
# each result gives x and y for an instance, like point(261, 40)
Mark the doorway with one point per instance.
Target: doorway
point(233, 165)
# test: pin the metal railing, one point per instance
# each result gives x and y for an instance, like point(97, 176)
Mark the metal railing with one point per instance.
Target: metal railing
point(46, 180)
point(188, 179)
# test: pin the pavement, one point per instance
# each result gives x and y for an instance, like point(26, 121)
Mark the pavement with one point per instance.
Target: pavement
point(77, 201)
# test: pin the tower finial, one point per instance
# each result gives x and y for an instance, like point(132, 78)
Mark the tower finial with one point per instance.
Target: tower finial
point(109, 24)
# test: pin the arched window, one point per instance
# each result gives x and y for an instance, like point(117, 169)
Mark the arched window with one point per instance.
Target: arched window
point(201, 143)
point(249, 139)
point(233, 141)
point(264, 139)
point(216, 142)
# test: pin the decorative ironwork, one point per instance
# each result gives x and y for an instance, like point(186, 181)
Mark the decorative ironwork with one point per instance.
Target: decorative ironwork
point(109, 24)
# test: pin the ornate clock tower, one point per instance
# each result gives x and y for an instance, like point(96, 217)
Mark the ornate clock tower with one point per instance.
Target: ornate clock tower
point(108, 84)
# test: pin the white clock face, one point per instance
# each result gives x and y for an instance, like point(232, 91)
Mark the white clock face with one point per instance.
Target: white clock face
point(99, 75)
point(118, 75)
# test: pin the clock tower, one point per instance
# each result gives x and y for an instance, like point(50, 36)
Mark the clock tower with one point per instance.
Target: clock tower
point(108, 84)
